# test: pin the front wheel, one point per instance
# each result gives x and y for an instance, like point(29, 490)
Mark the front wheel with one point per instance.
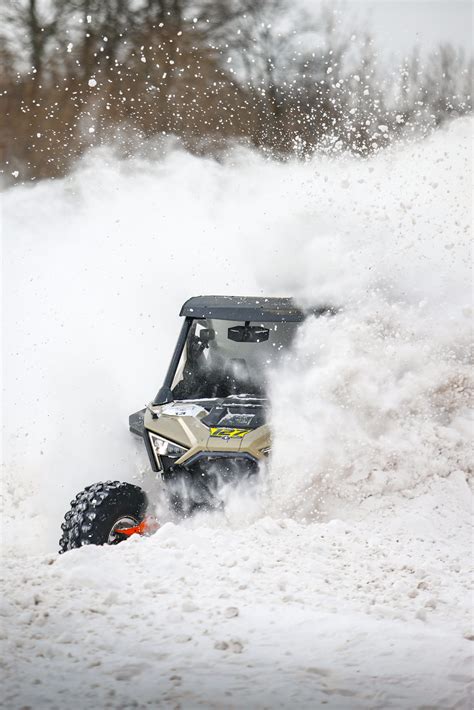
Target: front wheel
point(103, 514)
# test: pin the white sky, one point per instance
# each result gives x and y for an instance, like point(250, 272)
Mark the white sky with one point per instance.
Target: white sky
point(398, 25)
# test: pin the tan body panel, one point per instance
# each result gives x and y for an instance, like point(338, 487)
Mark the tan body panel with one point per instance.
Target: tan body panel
point(256, 440)
point(190, 433)
point(186, 431)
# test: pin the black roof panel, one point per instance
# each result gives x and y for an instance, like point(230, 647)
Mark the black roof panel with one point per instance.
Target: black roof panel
point(242, 308)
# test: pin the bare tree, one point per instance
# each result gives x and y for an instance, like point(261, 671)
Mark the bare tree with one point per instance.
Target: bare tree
point(31, 25)
point(79, 72)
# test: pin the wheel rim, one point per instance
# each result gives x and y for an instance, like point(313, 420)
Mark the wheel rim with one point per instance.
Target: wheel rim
point(122, 523)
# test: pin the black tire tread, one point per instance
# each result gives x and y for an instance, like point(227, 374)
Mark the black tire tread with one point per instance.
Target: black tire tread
point(90, 505)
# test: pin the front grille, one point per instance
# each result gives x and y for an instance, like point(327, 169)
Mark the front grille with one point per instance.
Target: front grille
point(201, 482)
point(205, 464)
point(224, 467)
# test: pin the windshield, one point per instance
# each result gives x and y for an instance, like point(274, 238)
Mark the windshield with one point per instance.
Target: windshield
point(213, 365)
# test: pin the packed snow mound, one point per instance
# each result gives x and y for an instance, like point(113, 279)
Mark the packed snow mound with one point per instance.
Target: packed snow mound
point(97, 265)
point(277, 614)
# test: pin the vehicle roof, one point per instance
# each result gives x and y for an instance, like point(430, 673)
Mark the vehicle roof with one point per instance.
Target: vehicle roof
point(243, 308)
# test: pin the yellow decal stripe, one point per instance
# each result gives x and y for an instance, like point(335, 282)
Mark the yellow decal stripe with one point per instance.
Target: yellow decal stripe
point(225, 433)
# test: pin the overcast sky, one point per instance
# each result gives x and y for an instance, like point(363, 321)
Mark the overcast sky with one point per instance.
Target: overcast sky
point(397, 25)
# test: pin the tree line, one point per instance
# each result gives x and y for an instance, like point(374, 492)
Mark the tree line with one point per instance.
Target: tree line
point(78, 73)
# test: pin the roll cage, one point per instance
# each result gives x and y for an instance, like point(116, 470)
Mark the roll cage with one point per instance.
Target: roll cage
point(228, 308)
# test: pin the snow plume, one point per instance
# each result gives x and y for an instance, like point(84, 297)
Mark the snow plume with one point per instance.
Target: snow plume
point(378, 398)
point(374, 400)
point(97, 265)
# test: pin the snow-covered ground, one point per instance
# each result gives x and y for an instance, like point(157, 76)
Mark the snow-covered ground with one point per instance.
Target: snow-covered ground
point(371, 612)
point(368, 612)
point(345, 581)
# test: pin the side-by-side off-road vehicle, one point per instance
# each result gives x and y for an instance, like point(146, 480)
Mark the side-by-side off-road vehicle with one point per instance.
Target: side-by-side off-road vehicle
point(206, 426)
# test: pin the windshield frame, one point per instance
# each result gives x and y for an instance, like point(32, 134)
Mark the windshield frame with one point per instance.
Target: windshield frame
point(165, 394)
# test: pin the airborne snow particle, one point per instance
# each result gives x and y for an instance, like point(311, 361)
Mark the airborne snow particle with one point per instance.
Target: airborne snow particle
point(92, 82)
point(92, 129)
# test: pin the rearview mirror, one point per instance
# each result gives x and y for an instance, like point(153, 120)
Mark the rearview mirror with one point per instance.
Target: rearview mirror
point(248, 333)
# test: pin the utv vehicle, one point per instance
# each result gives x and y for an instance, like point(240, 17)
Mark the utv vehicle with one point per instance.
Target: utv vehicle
point(206, 426)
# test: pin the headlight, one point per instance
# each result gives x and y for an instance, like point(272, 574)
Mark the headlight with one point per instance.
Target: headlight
point(163, 447)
